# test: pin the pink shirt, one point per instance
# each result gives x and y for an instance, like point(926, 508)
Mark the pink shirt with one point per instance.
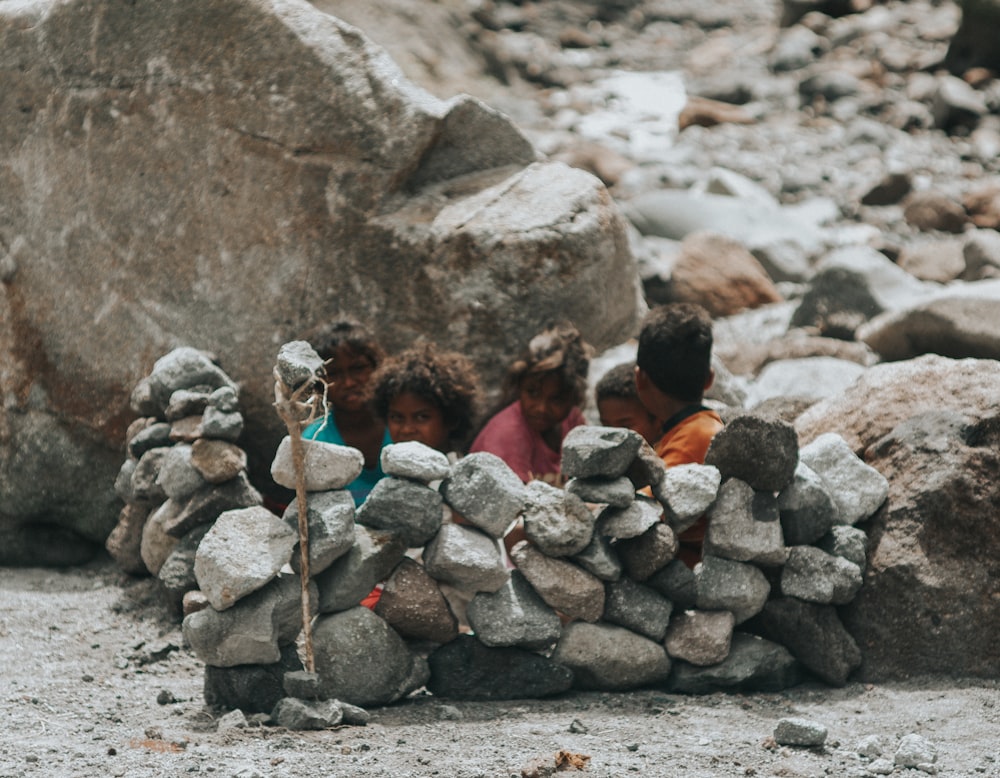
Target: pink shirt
point(509, 437)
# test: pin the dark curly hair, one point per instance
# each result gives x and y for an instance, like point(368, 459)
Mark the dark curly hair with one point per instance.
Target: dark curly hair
point(445, 378)
point(560, 350)
point(675, 349)
point(345, 332)
point(618, 382)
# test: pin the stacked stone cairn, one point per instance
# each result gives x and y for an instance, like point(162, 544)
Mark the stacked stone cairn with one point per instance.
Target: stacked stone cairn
point(182, 470)
point(594, 598)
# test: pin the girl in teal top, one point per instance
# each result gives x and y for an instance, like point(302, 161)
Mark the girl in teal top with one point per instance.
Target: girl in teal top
point(352, 354)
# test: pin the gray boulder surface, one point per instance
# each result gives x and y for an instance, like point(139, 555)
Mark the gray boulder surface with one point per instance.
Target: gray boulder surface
point(302, 154)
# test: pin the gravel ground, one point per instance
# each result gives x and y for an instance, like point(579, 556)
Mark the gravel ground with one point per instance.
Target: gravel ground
point(97, 681)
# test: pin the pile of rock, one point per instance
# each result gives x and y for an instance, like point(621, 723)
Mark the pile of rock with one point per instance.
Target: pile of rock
point(182, 468)
point(597, 598)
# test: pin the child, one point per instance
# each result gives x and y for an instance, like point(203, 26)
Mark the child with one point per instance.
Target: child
point(618, 403)
point(673, 371)
point(544, 390)
point(427, 395)
point(353, 355)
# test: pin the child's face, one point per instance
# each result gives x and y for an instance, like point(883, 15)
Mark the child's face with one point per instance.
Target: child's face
point(411, 417)
point(347, 377)
point(630, 413)
point(545, 401)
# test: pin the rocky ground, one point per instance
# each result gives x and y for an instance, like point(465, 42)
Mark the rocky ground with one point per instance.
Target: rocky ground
point(97, 682)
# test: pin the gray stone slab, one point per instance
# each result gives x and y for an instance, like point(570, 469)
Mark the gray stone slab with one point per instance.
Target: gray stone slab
point(610, 658)
point(413, 460)
point(409, 509)
point(330, 518)
point(604, 452)
point(327, 466)
point(744, 525)
point(242, 551)
point(351, 577)
point(813, 575)
point(638, 608)
point(484, 490)
point(466, 558)
point(514, 615)
point(857, 488)
point(558, 522)
point(724, 584)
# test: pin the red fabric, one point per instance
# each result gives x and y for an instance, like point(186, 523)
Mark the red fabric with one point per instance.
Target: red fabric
point(372, 598)
point(509, 437)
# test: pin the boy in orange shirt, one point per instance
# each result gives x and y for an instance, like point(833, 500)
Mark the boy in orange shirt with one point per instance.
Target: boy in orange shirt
point(673, 371)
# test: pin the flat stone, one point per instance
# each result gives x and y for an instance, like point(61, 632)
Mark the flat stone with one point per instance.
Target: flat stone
point(600, 559)
point(797, 731)
point(744, 525)
point(124, 544)
point(465, 669)
point(806, 508)
point(484, 490)
point(409, 509)
point(813, 634)
point(413, 605)
point(638, 608)
point(813, 575)
point(252, 631)
point(629, 522)
point(178, 477)
point(514, 615)
point(848, 542)
point(301, 684)
point(360, 659)
point(299, 715)
point(644, 555)
point(724, 584)
point(604, 452)
point(466, 558)
point(226, 399)
point(144, 484)
point(327, 466)
point(914, 751)
point(753, 665)
point(298, 363)
point(610, 658)
point(700, 637)
point(187, 429)
point(413, 460)
point(763, 452)
point(212, 500)
point(687, 492)
point(250, 688)
point(676, 582)
point(218, 461)
point(187, 402)
point(562, 585)
point(177, 572)
point(557, 522)
point(184, 368)
point(156, 544)
point(614, 492)
point(352, 576)
point(152, 435)
point(330, 518)
point(242, 551)
point(857, 488)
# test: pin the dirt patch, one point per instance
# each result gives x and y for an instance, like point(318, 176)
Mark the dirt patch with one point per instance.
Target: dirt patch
point(97, 681)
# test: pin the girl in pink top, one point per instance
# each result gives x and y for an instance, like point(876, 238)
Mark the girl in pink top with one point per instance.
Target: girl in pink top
point(544, 390)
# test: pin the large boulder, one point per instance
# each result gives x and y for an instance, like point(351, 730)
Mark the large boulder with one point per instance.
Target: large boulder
point(929, 601)
point(890, 393)
point(929, 426)
point(168, 180)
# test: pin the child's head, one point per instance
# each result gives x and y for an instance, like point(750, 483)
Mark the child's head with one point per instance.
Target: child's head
point(426, 395)
point(675, 351)
point(352, 354)
point(550, 378)
point(618, 403)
